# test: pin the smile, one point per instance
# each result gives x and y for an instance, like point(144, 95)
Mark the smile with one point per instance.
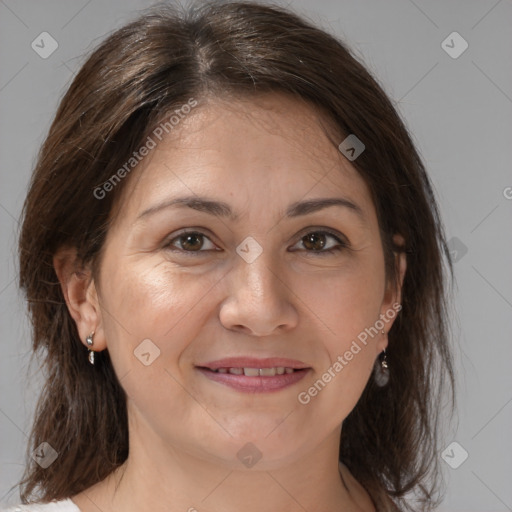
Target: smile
point(255, 372)
point(255, 380)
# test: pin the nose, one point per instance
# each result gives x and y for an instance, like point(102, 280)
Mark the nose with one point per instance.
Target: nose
point(260, 302)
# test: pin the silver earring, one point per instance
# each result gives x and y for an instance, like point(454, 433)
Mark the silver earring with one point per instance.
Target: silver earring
point(381, 372)
point(89, 341)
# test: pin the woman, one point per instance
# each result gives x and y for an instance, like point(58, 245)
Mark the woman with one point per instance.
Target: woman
point(233, 260)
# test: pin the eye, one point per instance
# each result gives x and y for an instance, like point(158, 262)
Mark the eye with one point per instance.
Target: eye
point(190, 242)
point(316, 242)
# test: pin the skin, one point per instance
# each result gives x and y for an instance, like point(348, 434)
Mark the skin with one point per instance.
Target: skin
point(259, 156)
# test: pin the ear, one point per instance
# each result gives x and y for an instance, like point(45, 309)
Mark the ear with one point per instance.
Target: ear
point(392, 303)
point(81, 296)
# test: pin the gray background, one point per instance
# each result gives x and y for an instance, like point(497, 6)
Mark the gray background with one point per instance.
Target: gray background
point(459, 111)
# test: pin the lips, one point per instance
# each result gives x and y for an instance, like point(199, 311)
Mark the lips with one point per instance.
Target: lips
point(255, 375)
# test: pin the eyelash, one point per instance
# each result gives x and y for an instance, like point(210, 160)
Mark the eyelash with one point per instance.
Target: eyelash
point(341, 244)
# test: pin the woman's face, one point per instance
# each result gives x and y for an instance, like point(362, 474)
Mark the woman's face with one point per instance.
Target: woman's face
point(272, 279)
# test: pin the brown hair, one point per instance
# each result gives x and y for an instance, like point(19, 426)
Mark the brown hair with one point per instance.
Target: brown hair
point(147, 69)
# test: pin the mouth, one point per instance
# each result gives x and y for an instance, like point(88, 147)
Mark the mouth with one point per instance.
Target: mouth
point(255, 375)
point(256, 372)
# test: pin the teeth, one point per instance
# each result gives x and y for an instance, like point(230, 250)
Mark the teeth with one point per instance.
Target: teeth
point(251, 372)
point(255, 372)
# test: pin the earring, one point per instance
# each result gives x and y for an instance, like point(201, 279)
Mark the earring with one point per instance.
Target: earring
point(381, 372)
point(89, 341)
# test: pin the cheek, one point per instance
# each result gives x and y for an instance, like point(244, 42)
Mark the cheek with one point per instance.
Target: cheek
point(349, 311)
point(151, 313)
point(347, 305)
point(156, 300)
point(347, 300)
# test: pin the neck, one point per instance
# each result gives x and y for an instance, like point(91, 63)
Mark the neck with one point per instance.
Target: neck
point(162, 479)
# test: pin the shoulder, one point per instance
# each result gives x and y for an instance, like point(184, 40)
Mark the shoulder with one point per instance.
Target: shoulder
point(54, 506)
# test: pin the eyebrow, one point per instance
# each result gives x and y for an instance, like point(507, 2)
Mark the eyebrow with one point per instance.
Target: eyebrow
point(223, 210)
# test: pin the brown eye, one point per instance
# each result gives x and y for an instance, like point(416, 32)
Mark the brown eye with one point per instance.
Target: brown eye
point(190, 242)
point(314, 241)
point(318, 243)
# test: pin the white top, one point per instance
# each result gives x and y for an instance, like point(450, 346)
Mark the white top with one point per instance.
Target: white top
point(54, 506)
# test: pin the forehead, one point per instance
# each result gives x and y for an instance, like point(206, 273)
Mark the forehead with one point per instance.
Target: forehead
point(271, 148)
